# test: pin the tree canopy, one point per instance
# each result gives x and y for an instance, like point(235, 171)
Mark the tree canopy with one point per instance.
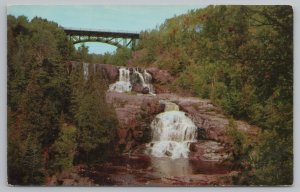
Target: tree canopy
point(240, 57)
point(47, 116)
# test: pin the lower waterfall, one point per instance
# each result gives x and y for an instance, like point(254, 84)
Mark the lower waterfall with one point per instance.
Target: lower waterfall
point(172, 133)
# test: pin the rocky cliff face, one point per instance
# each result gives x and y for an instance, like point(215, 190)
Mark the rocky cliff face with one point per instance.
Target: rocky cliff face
point(135, 113)
point(111, 74)
point(160, 78)
point(136, 110)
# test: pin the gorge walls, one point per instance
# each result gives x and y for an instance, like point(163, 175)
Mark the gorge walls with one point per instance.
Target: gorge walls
point(137, 103)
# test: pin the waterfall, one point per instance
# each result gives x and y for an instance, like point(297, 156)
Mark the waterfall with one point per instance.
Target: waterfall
point(85, 70)
point(148, 80)
point(145, 79)
point(172, 133)
point(123, 85)
point(127, 80)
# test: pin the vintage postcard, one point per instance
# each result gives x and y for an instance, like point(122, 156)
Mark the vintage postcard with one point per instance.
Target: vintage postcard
point(150, 95)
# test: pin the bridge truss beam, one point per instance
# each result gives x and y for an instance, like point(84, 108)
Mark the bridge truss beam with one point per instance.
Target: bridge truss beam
point(115, 38)
point(115, 41)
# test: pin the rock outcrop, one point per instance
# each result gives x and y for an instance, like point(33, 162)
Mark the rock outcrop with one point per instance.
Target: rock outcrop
point(161, 78)
point(209, 118)
point(135, 113)
point(208, 150)
point(136, 110)
point(110, 72)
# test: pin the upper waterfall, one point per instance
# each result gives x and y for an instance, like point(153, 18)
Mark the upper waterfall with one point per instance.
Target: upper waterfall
point(145, 79)
point(128, 78)
point(123, 85)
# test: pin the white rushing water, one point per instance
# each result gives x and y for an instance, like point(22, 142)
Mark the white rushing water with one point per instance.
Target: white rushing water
point(145, 79)
point(148, 81)
point(85, 70)
point(123, 85)
point(172, 133)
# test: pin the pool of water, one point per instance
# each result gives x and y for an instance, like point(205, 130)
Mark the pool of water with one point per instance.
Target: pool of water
point(141, 170)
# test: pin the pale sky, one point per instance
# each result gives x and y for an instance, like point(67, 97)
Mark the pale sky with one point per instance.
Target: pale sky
point(128, 18)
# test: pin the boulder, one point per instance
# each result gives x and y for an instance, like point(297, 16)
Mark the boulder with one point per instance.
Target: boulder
point(145, 90)
point(137, 88)
point(140, 89)
point(207, 150)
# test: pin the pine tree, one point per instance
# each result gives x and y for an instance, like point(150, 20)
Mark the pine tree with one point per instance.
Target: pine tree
point(95, 119)
point(32, 161)
point(38, 92)
point(63, 149)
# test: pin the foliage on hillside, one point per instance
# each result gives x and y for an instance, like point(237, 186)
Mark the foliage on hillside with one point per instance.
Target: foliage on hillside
point(95, 119)
point(240, 57)
point(44, 126)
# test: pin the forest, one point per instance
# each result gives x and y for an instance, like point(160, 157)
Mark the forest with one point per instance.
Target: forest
point(239, 57)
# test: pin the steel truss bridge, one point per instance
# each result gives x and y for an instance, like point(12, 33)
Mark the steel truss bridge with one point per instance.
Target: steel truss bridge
point(116, 38)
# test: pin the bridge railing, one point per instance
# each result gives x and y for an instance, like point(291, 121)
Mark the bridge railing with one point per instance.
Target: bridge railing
point(100, 30)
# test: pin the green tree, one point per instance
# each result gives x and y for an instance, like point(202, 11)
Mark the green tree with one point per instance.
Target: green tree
point(38, 92)
point(239, 143)
point(240, 57)
point(63, 150)
point(95, 119)
point(82, 54)
point(32, 162)
point(121, 56)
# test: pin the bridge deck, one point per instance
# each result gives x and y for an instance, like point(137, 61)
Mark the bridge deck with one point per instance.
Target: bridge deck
point(101, 33)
